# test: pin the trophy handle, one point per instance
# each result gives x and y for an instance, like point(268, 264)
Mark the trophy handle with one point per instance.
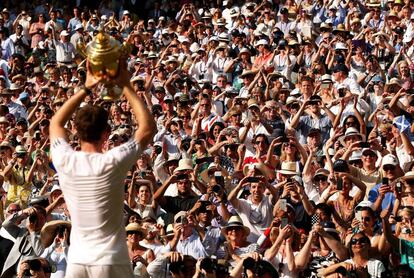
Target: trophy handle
point(81, 48)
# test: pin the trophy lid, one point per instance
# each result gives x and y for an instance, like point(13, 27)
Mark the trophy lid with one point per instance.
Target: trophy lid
point(103, 44)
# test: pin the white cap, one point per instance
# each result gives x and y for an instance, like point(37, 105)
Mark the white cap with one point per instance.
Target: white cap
point(261, 42)
point(125, 12)
point(64, 33)
point(389, 159)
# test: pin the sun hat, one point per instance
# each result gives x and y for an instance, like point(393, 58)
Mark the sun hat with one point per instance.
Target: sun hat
point(350, 131)
point(288, 168)
point(135, 227)
point(184, 164)
point(235, 221)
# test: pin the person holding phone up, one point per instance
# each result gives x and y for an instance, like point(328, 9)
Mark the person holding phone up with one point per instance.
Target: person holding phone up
point(256, 211)
point(381, 195)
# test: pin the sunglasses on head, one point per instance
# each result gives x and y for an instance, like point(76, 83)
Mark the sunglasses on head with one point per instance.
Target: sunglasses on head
point(362, 240)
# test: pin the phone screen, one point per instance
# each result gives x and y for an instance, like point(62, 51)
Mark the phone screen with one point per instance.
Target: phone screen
point(339, 184)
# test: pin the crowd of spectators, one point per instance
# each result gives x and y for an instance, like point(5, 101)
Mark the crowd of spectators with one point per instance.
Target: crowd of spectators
point(283, 143)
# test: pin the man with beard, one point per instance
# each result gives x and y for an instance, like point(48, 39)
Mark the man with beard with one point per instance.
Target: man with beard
point(150, 225)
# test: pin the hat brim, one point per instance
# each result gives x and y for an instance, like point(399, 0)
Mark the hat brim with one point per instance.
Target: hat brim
point(224, 229)
point(408, 177)
point(287, 172)
point(48, 232)
point(343, 137)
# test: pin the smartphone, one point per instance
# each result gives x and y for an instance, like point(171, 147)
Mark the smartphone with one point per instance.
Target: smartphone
point(284, 222)
point(184, 220)
point(398, 187)
point(219, 178)
point(341, 92)
point(325, 85)
point(383, 141)
point(282, 204)
point(358, 216)
point(252, 179)
point(364, 145)
point(285, 139)
point(385, 181)
point(339, 185)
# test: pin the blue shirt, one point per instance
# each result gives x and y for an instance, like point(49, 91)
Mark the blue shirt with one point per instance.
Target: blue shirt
point(389, 197)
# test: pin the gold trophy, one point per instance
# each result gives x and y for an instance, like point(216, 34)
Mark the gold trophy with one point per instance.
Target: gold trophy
point(103, 54)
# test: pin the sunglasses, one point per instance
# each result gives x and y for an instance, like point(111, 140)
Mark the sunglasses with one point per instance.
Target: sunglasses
point(320, 179)
point(362, 240)
point(288, 145)
point(388, 168)
point(132, 233)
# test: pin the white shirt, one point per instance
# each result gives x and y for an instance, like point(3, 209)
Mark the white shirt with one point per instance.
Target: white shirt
point(65, 52)
point(256, 217)
point(93, 185)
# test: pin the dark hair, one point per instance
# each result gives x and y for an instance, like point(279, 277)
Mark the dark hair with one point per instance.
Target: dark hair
point(351, 254)
point(260, 135)
point(307, 78)
point(91, 122)
point(325, 208)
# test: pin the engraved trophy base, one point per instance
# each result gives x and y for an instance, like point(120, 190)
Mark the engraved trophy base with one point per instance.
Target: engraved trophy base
point(109, 91)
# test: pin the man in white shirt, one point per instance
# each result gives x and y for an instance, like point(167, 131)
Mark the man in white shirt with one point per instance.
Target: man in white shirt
point(92, 180)
point(65, 51)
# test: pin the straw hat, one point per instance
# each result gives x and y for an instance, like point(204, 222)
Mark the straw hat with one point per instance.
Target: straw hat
point(246, 73)
point(408, 176)
point(350, 132)
point(235, 221)
point(184, 164)
point(135, 227)
point(49, 231)
point(289, 168)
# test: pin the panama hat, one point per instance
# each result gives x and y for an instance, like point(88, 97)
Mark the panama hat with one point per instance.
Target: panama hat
point(289, 168)
point(235, 221)
point(135, 227)
point(350, 132)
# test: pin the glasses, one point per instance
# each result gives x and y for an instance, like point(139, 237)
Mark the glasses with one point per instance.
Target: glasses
point(124, 126)
point(288, 145)
point(320, 179)
point(366, 218)
point(132, 233)
point(388, 168)
point(408, 182)
point(124, 119)
point(362, 240)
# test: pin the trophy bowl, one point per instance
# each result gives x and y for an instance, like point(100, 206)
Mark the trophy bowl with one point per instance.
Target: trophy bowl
point(103, 54)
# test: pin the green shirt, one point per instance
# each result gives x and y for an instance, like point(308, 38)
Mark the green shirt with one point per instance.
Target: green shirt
point(407, 252)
